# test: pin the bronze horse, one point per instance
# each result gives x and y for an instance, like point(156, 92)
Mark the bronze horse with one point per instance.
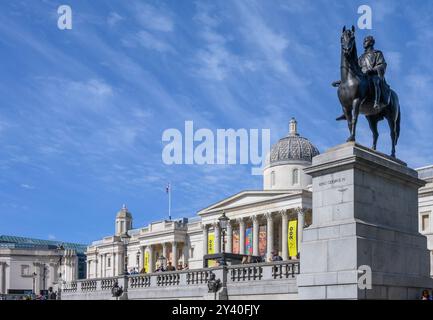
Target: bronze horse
point(356, 94)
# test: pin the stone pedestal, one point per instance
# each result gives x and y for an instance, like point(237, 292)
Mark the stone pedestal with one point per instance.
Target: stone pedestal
point(365, 213)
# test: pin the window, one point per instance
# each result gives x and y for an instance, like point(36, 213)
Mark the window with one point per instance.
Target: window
point(273, 178)
point(192, 252)
point(109, 262)
point(25, 270)
point(425, 222)
point(295, 176)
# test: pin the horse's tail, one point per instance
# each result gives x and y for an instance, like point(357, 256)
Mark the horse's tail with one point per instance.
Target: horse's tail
point(398, 111)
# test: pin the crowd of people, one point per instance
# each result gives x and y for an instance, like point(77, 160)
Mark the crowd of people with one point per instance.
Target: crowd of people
point(160, 268)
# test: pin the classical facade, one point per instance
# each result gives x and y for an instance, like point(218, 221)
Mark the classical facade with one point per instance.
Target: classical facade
point(31, 265)
point(258, 224)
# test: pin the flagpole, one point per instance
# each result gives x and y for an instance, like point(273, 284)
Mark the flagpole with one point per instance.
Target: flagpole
point(169, 201)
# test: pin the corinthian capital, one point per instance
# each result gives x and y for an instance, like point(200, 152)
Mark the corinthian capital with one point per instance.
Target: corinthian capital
point(301, 211)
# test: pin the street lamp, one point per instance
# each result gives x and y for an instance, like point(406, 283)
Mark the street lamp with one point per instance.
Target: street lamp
point(223, 222)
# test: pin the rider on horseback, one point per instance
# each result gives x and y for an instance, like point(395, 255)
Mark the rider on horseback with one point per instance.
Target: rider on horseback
point(373, 64)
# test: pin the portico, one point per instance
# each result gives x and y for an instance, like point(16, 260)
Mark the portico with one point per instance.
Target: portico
point(258, 222)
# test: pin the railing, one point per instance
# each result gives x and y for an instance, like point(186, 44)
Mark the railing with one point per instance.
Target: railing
point(88, 285)
point(107, 284)
point(70, 287)
point(139, 281)
point(257, 274)
point(285, 270)
point(246, 273)
point(258, 271)
point(168, 279)
point(197, 277)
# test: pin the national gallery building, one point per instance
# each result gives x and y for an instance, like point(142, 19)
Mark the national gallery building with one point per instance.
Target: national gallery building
point(261, 222)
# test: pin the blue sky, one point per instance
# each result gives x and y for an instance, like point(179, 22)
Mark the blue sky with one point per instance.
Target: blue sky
point(82, 111)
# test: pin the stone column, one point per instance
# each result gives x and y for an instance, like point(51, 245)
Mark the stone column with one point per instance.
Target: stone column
point(255, 235)
point(174, 253)
point(301, 217)
point(284, 235)
point(114, 264)
point(37, 278)
point(96, 265)
point(2, 277)
point(229, 236)
point(241, 236)
point(269, 235)
point(205, 238)
point(164, 253)
point(186, 252)
point(105, 265)
point(217, 233)
point(51, 274)
point(141, 266)
point(102, 266)
point(151, 264)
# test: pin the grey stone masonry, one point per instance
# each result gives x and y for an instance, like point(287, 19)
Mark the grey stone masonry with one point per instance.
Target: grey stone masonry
point(365, 213)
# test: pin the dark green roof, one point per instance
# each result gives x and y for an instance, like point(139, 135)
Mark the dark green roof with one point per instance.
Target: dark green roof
point(22, 242)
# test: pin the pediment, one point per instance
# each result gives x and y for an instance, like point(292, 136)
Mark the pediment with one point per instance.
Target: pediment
point(245, 198)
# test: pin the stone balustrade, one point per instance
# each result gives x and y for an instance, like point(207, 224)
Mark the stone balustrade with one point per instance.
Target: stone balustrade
point(248, 281)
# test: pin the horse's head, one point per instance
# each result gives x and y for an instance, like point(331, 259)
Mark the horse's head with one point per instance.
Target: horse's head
point(348, 40)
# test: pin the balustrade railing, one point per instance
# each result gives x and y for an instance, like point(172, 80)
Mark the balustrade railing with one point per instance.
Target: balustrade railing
point(70, 287)
point(285, 270)
point(88, 285)
point(197, 277)
point(107, 284)
point(256, 272)
point(168, 279)
point(139, 281)
point(246, 273)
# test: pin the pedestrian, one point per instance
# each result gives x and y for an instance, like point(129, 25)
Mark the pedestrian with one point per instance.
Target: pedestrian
point(426, 295)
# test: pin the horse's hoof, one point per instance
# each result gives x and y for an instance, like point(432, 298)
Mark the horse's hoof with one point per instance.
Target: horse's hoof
point(374, 148)
point(350, 139)
point(392, 155)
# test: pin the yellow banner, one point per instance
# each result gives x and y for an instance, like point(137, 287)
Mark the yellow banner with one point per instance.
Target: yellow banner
point(211, 248)
point(146, 261)
point(211, 243)
point(292, 238)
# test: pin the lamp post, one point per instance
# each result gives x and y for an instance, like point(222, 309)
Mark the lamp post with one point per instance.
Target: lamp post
point(223, 221)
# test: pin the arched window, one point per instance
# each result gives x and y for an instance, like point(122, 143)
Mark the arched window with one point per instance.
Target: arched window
point(273, 178)
point(295, 176)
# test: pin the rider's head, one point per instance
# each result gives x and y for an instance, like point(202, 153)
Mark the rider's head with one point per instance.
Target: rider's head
point(368, 42)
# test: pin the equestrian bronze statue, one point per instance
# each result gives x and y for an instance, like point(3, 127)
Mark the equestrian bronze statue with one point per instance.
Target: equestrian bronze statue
point(363, 88)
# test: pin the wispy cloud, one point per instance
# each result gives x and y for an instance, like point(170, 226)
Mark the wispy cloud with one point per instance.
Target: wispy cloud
point(27, 186)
